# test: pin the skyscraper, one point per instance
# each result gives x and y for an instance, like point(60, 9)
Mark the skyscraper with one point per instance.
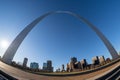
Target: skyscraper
point(34, 65)
point(67, 67)
point(72, 63)
point(63, 68)
point(83, 63)
point(25, 62)
point(44, 66)
point(49, 63)
point(71, 66)
point(49, 66)
point(101, 59)
point(78, 65)
point(95, 60)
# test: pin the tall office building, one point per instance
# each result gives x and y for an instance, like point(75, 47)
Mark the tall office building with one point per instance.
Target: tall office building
point(63, 68)
point(34, 65)
point(101, 59)
point(49, 66)
point(95, 60)
point(78, 65)
point(49, 63)
point(71, 66)
point(67, 67)
point(72, 63)
point(44, 66)
point(83, 63)
point(25, 62)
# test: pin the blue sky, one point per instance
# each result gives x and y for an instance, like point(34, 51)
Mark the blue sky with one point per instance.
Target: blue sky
point(61, 36)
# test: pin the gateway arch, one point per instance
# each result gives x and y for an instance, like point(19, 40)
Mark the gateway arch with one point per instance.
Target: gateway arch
point(10, 52)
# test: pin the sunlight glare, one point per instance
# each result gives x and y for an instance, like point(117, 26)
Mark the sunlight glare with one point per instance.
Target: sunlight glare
point(4, 44)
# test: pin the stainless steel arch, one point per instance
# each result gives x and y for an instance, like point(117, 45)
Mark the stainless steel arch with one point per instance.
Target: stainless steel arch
point(10, 52)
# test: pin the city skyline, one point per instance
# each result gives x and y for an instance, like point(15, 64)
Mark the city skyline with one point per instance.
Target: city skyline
point(50, 40)
point(96, 60)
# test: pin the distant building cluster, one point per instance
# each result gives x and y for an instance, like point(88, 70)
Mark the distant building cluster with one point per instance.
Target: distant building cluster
point(75, 65)
point(47, 67)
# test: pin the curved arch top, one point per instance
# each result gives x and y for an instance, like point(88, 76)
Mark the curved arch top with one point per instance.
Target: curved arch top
point(10, 52)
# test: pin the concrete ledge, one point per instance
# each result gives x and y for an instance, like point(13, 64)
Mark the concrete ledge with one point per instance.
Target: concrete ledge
point(109, 75)
point(7, 76)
